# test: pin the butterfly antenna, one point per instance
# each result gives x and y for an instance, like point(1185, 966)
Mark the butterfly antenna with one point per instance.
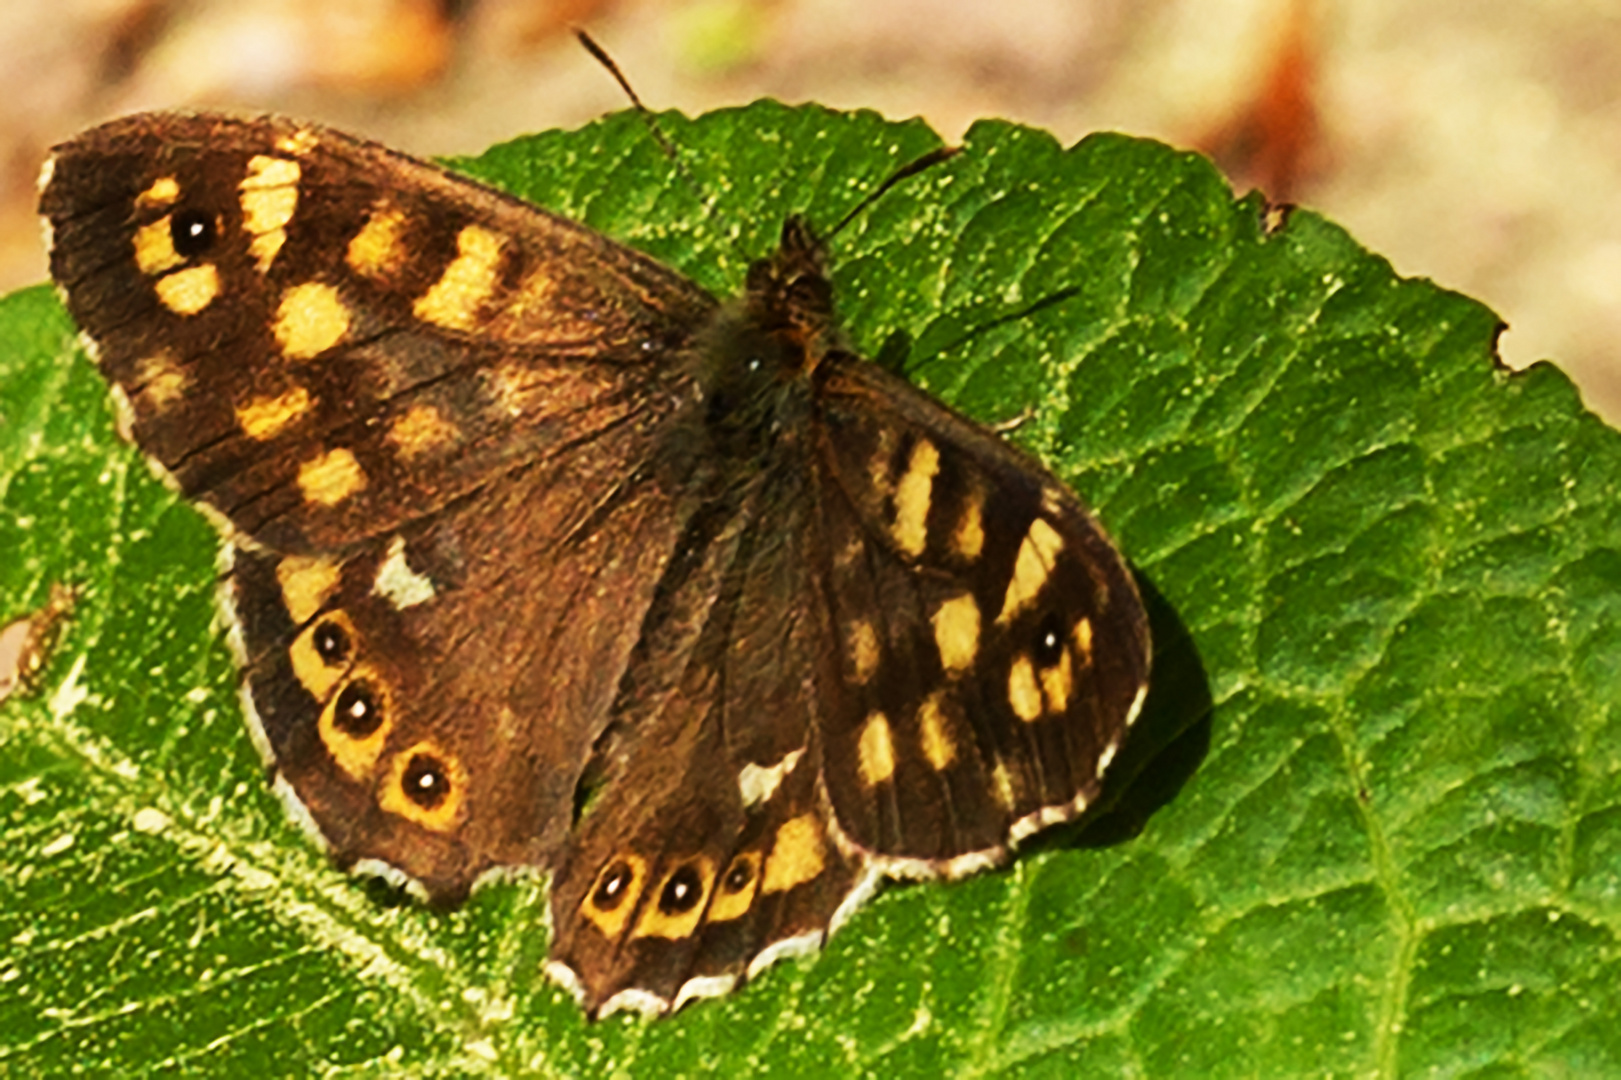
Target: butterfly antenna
point(602, 57)
point(905, 172)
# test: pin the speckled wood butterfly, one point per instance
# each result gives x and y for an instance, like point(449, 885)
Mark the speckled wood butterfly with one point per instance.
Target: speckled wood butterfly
point(540, 556)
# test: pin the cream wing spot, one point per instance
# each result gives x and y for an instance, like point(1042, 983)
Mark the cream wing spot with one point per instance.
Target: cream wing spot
point(877, 750)
point(160, 381)
point(757, 783)
point(1002, 785)
point(160, 195)
point(939, 746)
point(266, 417)
point(188, 291)
point(956, 632)
point(1023, 691)
point(397, 583)
point(456, 299)
point(269, 198)
point(1081, 641)
point(913, 495)
point(331, 478)
point(1040, 547)
point(154, 247)
point(968, 538)
point(378, 248)
point(307, 583)
point(310, 319)
point(422, 429)
point(862, 643)
point(797, 855)
point(299, 143)
point(1058, 683)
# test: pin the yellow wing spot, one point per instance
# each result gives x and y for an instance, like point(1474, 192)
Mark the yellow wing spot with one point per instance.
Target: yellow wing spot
point(160, 380)
point(1058, 683)
point(310, 319)
point(404, 777)
point(357, 756)
point(377, 249)
point(534, 294)
point(678, 905)
point(798, 855)
point(331, 478)
point(1023, 692)
point(877, 750)
point(1040, 547)
point(1081, 638)
point(1002, 784)
point(266, 417)
point(864, 653)
point(956, 632)
point(734, 893)
point(968, 538)
point(307, 583)
point(160, 195)
point(269, 197)
point(912, 497)
point(154, 247)
point(420, 430)
point(186, 292)
point(614, 894)
point(309, 667)
point(939, 748)
point(455, 299)
point(880, 467)
point(298, 143)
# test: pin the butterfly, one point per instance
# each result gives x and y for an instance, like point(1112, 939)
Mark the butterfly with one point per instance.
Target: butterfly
point(541, 556)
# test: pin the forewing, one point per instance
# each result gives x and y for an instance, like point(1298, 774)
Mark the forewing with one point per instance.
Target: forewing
point(323, 340)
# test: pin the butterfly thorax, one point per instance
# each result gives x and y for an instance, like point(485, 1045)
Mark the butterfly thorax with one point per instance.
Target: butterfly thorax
point(759, 360)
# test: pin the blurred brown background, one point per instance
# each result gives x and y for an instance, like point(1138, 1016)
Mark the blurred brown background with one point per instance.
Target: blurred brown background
point(1475, 143)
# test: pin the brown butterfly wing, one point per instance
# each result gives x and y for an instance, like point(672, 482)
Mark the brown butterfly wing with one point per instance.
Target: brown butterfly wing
point(995, 646)
point(418, 407)
point(323, 340)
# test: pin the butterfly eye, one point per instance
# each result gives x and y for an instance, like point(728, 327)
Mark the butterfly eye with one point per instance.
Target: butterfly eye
point(425, 781)
point(1049, 640)
point(357, 714)
point(331, 643)
point(682, 891)
point(192, 232)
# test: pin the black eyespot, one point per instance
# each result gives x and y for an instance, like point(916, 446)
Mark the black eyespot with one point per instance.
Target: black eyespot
point(191, 232)
point(426, 781)
point(357, 713)
point(682, 891)
point(1049, 645)
point(331, 642)
point(613, 886)
point(738, 876)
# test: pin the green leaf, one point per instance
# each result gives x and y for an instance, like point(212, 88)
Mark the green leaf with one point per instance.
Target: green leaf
point(1376, 822)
